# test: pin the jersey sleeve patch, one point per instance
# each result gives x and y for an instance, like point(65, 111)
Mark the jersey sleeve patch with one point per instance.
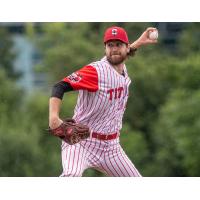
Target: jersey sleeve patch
point(84, 79)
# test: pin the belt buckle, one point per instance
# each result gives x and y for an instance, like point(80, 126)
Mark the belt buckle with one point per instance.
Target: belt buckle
point(98, 136)
point(106, 137)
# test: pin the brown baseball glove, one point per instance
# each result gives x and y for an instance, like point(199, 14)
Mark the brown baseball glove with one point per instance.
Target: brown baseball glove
point(71, 132)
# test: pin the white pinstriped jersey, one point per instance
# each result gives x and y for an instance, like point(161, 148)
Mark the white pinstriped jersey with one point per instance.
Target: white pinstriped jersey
point(103, 95)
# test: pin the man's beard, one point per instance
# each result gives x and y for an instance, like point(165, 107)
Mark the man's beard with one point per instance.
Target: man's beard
point(116, 59)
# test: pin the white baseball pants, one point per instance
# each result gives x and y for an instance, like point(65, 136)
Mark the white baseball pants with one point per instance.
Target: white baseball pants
point(105, 156)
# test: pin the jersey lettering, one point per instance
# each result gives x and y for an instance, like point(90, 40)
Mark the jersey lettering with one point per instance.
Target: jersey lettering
point(117, 93)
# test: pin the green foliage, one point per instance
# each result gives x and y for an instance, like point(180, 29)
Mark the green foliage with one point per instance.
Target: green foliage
point(189, 40)
point(93, 173)
point(26, 148)
point(9, 97)
point(19, 153)
point(7, 54)
point(50, 161)
point(16, 151)
point(177, 134)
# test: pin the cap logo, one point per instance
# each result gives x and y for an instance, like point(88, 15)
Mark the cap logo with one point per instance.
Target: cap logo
point(114, 31)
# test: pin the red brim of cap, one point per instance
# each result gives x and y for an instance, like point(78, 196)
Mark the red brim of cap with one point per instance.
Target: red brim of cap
point(111, 38)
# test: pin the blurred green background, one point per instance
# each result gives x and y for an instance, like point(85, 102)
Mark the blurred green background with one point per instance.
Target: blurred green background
point(161, 125)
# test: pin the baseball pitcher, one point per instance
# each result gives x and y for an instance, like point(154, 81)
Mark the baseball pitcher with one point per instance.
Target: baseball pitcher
point(91, 138)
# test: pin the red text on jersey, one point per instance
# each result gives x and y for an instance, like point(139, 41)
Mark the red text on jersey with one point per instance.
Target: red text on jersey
point(115, 93)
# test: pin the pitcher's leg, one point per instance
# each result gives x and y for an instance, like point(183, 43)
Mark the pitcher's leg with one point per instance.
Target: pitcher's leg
point(73, 159)
point(131, 170)
point(118, 164)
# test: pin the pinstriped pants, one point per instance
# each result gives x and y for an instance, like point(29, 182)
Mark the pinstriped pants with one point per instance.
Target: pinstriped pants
point(105, 156)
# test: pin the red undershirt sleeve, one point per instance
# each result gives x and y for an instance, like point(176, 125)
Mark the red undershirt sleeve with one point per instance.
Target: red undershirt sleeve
point(84, 79)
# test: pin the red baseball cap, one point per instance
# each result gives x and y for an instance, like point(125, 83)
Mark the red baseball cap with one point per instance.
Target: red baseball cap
point(116, 33)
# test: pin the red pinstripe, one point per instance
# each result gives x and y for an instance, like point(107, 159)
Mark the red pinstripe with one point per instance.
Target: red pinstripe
point(122, 163)
point(100, 163)
point(92, 152)
point(83, 157)
point(116, 161)
point(77, 162)
point(74, 155)
point(96, 117)
point(64, 160)
point(96, 153)
point(100, 127)
point(110, 172)
point(69, 156)
point(134, 171)
point(111, 164)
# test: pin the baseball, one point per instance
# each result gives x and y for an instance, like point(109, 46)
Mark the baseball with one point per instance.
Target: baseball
point(153, 35)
